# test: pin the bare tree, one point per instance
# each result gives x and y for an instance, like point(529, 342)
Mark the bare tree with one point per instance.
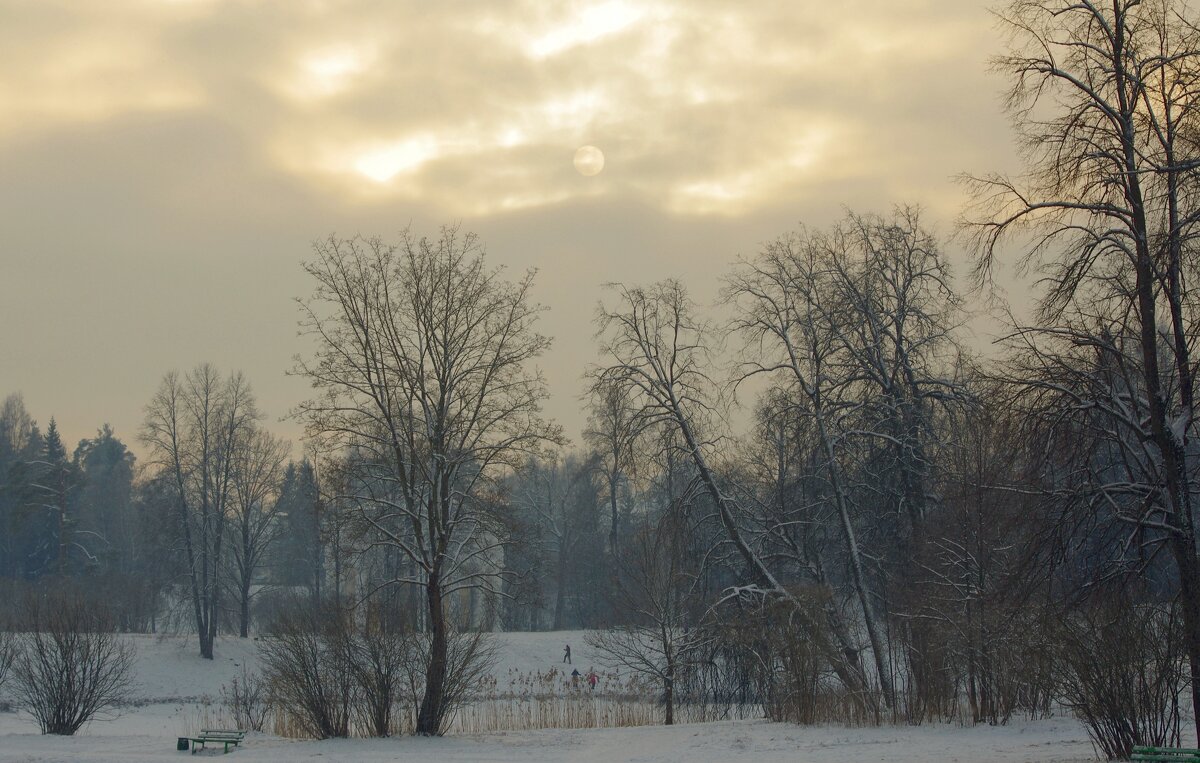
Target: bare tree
point(656, 348)
point(193, 428)
point(612, 433)
point(656, 590)
point(895, 313)
point(1103, 97)
point(257, 474)
point(423, 363)
point(71, 664)
point(790, 333)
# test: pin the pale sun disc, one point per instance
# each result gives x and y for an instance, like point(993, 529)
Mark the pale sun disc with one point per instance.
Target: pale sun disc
point(589, 160)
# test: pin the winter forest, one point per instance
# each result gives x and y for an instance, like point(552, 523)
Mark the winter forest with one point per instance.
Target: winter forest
point(820, 499)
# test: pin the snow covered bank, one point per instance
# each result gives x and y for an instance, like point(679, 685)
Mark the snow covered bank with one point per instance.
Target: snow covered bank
point(177, 692)
point(1054, 741)
point(169, 668)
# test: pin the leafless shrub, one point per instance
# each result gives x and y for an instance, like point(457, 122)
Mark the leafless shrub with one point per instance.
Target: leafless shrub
point(1122, 673)
point(306, 659)
point(70, 665)
point(470, 658)
point(379, 659)
point(334, 675)
point(1011, 670)
point(247, 699)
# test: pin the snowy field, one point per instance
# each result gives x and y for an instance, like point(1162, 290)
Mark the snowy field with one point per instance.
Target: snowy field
point(174, 685)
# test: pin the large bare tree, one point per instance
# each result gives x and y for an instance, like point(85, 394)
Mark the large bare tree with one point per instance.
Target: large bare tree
point(657, 348)
point(424, 368)
point(792, 334)
point(193, 429)
point(1104, 100)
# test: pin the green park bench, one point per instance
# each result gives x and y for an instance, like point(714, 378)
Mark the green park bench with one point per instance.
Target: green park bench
point(217, 736)
point(1165, 755)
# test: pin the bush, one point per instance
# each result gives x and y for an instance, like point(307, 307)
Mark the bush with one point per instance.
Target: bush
point(1122, 672)
point(307, 662)
point(71, 665)
point(470, 658)
point(247, 700)
point(379, 658)
point(336, 675)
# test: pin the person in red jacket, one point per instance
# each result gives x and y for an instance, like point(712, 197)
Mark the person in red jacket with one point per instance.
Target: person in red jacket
point(592, 678)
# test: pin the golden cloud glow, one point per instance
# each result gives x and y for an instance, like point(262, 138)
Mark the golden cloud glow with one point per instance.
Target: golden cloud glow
point(383, 164)
point(716, 108)
point(329, 71)
point(593, 23)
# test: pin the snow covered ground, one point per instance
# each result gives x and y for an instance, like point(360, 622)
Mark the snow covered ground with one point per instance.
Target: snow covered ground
point(174, 686)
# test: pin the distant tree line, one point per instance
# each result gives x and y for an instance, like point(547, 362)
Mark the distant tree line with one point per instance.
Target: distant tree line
point(93, 519)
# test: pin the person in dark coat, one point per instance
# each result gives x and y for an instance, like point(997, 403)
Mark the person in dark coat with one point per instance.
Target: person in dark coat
point(567, 654)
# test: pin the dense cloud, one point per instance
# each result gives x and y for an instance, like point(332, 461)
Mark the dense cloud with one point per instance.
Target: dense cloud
point(164, 164)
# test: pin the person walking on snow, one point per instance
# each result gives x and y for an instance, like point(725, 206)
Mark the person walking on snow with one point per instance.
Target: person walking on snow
point(567, 655)
point(592, 678)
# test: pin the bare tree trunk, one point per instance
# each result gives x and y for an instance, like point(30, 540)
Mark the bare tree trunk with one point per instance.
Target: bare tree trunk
point(560, 593)
point(614, 482)
point(857, 571)
point(429, 718)
point(206, 642)
point(668, 679)
point(244, 612)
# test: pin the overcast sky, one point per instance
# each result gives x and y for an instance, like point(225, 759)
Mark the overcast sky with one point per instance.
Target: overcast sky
point(166, 164)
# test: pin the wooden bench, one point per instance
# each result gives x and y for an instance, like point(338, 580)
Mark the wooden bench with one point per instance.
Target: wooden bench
point(1165, 755)
point(217, 736)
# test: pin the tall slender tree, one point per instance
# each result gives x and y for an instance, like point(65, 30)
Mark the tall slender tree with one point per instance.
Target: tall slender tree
point(423, 362)
point(257, 468)
point(193, 429)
